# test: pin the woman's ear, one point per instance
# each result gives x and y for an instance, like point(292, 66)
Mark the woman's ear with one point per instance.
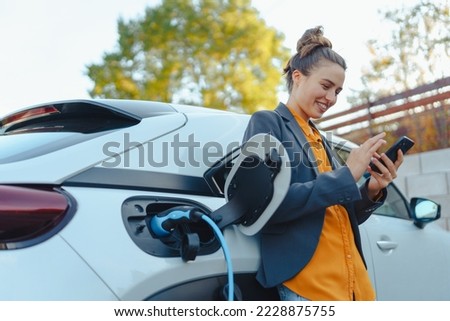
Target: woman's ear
point(296, 76)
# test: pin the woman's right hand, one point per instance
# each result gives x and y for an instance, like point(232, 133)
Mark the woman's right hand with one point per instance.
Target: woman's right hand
point(360, 157)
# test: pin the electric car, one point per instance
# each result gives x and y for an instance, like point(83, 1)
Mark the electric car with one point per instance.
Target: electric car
point(84, 182)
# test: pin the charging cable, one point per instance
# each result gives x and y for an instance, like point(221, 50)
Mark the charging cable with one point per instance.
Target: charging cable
point(226, 253)
point(162, 225)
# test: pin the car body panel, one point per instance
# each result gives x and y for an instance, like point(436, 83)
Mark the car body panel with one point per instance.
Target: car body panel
point(131, 273)
point(410, 263)
point(52, 271)
point(190, 150)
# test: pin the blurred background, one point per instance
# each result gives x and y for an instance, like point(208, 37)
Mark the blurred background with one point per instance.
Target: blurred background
point(230, 54)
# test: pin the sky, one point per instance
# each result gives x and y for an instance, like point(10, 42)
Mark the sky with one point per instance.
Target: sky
point(46, 44)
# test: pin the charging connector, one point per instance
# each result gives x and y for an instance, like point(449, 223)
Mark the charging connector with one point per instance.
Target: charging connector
point(164, 223)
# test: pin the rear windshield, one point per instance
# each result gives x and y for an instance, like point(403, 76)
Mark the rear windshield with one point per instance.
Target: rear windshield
point(67, 117)
point(46, 128)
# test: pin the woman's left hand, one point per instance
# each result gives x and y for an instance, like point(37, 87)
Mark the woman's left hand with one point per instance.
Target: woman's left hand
point(388, 172)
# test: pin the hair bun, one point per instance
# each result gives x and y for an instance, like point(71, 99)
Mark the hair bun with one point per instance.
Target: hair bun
point(311, 39)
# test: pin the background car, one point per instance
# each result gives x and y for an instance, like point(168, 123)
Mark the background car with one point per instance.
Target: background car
point(80, 180)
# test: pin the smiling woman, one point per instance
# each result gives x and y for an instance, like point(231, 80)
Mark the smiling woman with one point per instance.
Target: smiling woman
point(324, 203)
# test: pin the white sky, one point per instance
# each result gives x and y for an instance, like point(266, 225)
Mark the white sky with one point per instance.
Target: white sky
point(46, 44)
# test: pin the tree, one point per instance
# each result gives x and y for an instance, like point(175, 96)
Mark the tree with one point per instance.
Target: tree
point(215, 53)
point(417, 53)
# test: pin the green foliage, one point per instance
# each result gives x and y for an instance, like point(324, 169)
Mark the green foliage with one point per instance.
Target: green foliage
point(417, 53)
point(215, 53)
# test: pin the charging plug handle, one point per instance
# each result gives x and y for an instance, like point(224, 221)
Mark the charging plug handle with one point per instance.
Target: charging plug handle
point(162, 224)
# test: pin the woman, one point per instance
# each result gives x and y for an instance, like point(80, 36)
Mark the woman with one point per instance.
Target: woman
point(311, 247)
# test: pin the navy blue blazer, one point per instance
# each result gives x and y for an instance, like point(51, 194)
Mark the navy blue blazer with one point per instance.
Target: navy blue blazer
point(290, 237)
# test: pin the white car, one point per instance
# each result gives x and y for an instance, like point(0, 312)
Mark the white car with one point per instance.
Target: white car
point(82, 181)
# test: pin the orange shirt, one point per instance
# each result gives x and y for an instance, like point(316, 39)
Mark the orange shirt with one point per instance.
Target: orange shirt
point(336, 271)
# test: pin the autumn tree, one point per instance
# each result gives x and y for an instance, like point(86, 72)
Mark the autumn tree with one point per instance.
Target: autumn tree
point(418, 51)
point(215, 53)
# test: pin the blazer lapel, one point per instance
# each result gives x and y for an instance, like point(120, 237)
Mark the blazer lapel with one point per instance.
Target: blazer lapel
point(294, 128)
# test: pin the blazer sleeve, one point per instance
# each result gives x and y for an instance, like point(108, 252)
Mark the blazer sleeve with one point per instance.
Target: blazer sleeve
point(336, 187)
point(365, 207)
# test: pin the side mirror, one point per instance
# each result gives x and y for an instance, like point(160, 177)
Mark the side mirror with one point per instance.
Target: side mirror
point(424, 211)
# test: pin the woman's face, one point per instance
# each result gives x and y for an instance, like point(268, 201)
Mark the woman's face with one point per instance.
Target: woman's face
point(313, 95)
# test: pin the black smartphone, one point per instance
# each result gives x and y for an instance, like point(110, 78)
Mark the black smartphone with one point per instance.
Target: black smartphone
point(403, 143)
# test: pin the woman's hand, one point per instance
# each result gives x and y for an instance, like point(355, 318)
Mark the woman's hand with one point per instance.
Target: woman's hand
point(360, 157)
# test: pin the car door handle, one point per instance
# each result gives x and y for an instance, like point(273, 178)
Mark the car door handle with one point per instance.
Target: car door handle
point(387, 245)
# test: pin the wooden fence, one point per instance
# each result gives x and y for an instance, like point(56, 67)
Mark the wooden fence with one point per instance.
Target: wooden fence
point(421, 113)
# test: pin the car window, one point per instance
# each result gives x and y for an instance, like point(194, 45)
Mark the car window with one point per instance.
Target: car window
point(43, 129)
point(395, 204)
point(342, 154)
point(67, 117)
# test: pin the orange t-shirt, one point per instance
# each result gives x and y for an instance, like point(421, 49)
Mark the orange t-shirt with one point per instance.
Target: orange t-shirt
point(336, 271)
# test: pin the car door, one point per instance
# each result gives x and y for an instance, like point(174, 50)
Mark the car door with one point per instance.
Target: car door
point(407, 262)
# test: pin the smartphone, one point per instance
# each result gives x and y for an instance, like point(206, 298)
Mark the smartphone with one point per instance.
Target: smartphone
point(403, 143)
